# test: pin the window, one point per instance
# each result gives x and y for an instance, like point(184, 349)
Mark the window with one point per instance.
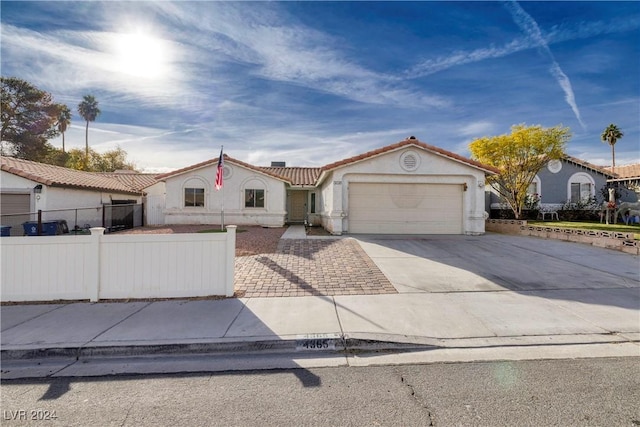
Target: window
point(313, 202)
point(580, 191)
point(254, 198)
point(194, 196)
point(581, 187)
point(533, 188)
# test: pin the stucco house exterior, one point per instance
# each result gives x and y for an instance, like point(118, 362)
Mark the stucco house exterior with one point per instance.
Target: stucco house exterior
point(61, 193)
point(560, 182)
point(627, 180)
point(405, 188)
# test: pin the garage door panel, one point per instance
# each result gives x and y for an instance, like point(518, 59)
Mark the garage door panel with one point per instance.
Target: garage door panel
point(405, 208)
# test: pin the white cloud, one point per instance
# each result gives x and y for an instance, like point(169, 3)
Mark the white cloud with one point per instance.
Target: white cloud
point(532, 30)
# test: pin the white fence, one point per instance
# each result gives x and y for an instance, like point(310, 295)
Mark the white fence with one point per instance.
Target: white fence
point(112, 266)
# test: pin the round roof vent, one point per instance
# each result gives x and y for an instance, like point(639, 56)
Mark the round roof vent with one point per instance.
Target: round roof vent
point(410, 161)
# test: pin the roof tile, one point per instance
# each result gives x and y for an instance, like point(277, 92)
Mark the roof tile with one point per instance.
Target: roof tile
point(58, 176)
point(409, 142)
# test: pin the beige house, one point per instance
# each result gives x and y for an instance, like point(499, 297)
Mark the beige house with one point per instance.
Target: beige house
point(406, 188)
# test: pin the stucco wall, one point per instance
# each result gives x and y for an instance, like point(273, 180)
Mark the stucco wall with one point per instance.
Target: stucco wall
point(64, 201)
point(387, 168)
point(240, 178)
point(554, 187)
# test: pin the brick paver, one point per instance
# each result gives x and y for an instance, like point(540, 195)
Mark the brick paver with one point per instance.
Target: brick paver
point(311, 267)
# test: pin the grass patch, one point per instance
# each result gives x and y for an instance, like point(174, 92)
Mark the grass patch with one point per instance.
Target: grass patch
point(585, 225)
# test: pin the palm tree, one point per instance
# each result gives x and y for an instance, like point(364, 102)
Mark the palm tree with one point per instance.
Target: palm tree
point(611, 135)
point(89, 111)
point(64, 120)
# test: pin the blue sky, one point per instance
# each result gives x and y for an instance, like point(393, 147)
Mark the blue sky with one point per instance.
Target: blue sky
point(311, 83)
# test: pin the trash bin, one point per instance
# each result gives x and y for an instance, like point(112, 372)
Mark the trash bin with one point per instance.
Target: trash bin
point(49, 228)
point(5, 230)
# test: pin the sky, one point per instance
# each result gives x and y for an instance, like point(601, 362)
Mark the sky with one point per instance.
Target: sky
point(311, 83)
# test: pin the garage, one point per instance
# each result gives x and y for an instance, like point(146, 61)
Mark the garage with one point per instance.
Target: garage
point(405, 208)
point(13, 203)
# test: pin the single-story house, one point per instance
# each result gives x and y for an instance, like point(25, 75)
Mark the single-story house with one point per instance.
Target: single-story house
point(561, 182)
point(405, 188)
point(27, 187)
point(627, 180)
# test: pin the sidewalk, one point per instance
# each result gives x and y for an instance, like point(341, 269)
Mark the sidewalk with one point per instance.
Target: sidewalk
point(484, 316)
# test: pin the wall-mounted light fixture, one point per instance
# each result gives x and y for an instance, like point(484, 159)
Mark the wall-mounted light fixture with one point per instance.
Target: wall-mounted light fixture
point(37, 189)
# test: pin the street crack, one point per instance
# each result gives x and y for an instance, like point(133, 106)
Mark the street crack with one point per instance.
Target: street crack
point(412, 392)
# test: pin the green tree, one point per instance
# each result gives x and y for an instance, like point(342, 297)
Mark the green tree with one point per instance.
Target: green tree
point(519, 156)
point(114, 160)
point(28, 119)
point(89, 111)
point(109, 161)
point(64, 120)
point(611, 135)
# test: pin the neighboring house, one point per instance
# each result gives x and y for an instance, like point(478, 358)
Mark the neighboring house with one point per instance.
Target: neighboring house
point(627, 180)
point(405, 188)
point(61, 193)
point(566, 181)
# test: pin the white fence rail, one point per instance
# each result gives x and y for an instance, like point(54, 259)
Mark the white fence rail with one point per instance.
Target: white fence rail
point(112, 266)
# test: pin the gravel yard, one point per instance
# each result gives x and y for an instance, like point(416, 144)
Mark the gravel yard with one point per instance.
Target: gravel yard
point(250, 240)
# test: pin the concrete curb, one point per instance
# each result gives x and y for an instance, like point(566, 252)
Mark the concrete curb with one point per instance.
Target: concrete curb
point(348, 344)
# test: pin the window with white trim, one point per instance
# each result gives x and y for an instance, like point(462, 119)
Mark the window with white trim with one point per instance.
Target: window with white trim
point(194, 197)
point(581, 187)
point(254, 198)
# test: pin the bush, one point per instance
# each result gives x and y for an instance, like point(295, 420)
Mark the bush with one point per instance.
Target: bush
point(583, 210)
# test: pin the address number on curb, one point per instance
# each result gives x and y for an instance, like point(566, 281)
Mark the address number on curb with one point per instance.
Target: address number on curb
point(315, 344)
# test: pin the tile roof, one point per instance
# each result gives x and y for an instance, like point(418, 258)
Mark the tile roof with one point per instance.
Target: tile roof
point(409, 142)
point(309, 175)
point(57, 176)
point(134, 180)
point(588, 165)
point(228, 159)
point(296, 175)
point(626, 171)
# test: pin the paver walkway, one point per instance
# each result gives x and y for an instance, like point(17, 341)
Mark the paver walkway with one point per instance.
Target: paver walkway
point(304, 267)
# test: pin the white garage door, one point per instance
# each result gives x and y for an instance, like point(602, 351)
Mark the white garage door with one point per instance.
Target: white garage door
point(378, 208)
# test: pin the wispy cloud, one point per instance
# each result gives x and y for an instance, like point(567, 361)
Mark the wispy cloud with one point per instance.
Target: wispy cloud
point(532, 30)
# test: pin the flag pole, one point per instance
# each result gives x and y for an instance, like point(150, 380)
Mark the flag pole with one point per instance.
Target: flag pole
point(222, 204)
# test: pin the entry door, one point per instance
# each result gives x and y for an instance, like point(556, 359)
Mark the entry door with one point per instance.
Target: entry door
point(297, 206)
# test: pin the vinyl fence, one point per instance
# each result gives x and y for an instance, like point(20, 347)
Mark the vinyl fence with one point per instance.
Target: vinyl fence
point(112, 266)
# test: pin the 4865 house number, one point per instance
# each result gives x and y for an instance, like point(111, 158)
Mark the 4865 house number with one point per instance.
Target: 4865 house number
point(315, 342)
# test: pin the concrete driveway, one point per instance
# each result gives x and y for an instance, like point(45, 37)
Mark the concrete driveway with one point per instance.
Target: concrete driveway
point(497, 262)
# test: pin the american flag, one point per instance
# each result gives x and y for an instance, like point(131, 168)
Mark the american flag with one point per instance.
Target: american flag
point(220, 171)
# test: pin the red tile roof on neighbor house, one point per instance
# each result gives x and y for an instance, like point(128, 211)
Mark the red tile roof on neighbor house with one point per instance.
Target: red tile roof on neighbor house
point(406, 143)
point(57, 176)
point(626, 172)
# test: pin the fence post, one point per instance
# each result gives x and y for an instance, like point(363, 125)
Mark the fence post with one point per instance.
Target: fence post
point(230, 260)
point(93, 276)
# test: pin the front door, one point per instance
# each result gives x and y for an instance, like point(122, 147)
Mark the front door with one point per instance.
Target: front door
point(297, 206)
